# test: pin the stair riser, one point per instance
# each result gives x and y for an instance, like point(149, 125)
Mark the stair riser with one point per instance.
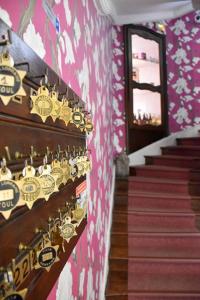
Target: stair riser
point(162, 174)
point(153, 223)
point(121, 202)
point(188, 142)
point(172, 162)
point(163, 246)
point(121, 186)
point(117, 297)
point(120, 223)
point(161, 297)
point(158, 204)
point(164, 187)
point(163, 276)
point(119, 246)
point(182, 152)
point(118, 276)
point(194, 175)
point(196, 205)
point(160, 223)
point(167, 174)
point(117, 281)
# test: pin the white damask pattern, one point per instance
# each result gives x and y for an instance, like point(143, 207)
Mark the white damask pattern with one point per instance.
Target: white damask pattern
point(34, 40)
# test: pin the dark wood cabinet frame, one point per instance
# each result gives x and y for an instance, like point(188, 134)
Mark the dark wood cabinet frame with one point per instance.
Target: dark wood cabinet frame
point(139, 136)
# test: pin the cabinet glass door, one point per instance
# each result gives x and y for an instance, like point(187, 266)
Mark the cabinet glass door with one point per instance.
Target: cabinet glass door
point(145, 86)
point(145, 60)
point(146, 107)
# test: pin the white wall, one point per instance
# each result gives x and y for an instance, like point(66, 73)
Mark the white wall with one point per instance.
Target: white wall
point(137, 158)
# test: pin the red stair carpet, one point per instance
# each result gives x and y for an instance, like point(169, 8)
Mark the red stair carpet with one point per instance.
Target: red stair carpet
point(155, 240)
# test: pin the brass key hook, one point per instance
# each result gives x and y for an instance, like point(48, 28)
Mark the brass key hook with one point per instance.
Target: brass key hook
point(6, 39)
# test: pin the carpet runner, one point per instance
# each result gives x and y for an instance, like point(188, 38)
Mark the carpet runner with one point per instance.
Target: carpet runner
point(155, 238)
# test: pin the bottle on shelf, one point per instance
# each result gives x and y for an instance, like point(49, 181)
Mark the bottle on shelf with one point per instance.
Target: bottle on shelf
point(134, 119)
point(139, 119)
point(150, 119)
point(144, 121)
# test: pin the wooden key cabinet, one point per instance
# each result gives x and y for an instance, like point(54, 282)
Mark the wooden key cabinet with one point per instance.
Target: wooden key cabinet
point(25, 138)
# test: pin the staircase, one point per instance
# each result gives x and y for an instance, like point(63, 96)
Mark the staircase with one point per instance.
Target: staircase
point(155, 240)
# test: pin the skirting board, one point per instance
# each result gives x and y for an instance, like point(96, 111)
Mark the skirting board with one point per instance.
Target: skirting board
point(107, 243)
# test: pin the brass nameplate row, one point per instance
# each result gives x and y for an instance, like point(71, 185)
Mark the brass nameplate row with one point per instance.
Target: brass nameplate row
point(41, 182)
point(44, 103)
point(43, 252)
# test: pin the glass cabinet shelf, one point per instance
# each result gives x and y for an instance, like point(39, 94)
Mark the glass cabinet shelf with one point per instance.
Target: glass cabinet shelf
point(145, 60)
point(139, 62)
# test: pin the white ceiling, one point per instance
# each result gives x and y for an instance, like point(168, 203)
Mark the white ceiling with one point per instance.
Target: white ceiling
point(139, 11)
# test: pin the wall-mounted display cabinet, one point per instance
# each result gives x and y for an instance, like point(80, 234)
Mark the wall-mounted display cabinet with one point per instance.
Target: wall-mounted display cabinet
point(146, 93)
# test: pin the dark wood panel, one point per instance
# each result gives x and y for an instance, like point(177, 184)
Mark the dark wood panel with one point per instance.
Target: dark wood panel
point(19, 136)
point(141, 136)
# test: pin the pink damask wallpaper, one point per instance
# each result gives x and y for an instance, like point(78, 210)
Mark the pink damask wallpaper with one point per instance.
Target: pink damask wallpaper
point(81, 52)
point(88, 54)
point(183, 64)
point(183, 44)
point(118, 89)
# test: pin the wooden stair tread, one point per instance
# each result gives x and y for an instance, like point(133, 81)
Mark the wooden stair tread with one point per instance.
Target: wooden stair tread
point(182, 147)
point(160, 180)
point(156, 213)
point(175, 157)
point(163, 195)
point(174, 260)
point(113, 293)
point(160, 167)
point(164, 294)
point(159, 234)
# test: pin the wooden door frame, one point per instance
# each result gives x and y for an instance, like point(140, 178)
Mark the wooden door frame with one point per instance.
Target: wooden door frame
point(161, 39)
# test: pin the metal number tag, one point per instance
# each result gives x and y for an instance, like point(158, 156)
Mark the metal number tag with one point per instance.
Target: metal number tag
point(47, 256)
point(30, 187)
point(57, 171)
point(10, 79)
point(47, 182)
point(21, 270)
point(78, 214)
point(65, 112)
point(42, 103)
point(67, 229)
point(9, 197)
point(16, 295)
point(66, 170)
point(77, 117)
point(9, 193)
point(55, 113)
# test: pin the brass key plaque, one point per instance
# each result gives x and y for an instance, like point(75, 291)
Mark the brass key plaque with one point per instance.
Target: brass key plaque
point(10, 79)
